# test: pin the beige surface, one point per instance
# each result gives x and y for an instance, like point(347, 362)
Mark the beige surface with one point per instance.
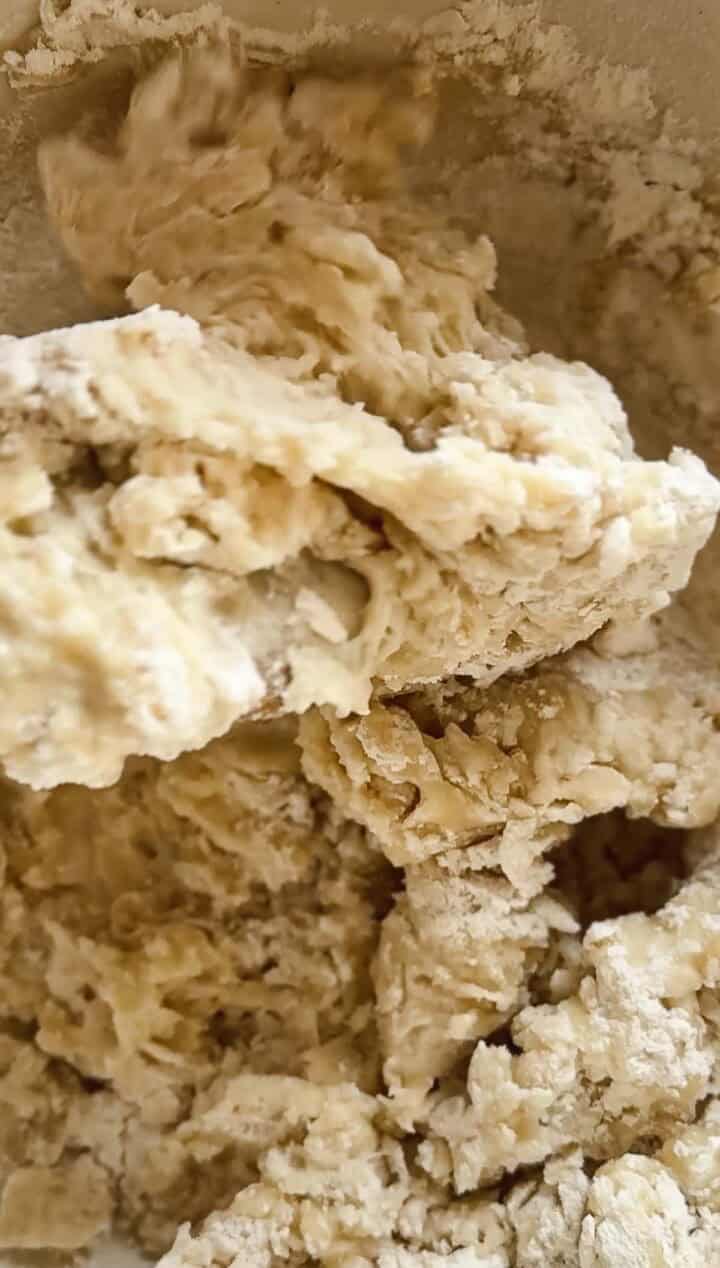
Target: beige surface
point(676, 39)
point(352, 349)
point(441, 755)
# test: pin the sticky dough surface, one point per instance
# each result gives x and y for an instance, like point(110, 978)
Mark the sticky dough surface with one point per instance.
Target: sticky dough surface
point(360, 905)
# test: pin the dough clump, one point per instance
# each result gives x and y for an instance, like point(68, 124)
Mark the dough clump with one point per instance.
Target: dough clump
point(349, 478)
point(360, 897)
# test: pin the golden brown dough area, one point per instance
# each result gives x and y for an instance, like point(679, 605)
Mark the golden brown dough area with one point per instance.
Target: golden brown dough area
point(399, 976)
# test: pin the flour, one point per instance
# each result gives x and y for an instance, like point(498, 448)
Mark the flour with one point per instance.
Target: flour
point(420, 965)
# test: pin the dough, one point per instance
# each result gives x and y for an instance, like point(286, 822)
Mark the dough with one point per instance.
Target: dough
point(626, 721)
point(360, 897)
point(191, 964)
point(349, 479)
point(200, 922)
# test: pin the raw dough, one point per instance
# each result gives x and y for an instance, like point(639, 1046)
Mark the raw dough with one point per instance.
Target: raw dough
point(428, 974)
point(354, 480)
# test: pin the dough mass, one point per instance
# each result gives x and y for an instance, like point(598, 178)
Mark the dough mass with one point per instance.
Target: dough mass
point(350, 913)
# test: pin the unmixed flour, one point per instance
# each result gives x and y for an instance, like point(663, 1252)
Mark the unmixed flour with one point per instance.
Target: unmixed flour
point(361, 894)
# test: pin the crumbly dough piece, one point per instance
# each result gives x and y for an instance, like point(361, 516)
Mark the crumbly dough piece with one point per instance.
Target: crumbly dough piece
point(74, 34)
point(194, 956)
point(351, 478)
point(692, 1155)
point(637, 1215)
point(312, 1207)
point(179, 548)
point(622, 1059)
point(456, 958)
point(630, 721)
point(483, 786)
point(546, 1213)
point(196, 921)
point(336, 1188)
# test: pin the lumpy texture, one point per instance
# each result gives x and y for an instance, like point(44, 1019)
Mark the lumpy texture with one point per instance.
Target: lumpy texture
point(349, 478)
point(360, 893)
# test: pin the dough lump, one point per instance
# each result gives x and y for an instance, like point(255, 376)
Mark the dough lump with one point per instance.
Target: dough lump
point(198, 923)
point(360, 899)
point(349, 478)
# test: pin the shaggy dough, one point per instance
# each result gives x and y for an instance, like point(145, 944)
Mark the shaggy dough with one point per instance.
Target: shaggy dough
point(209, 979)
point(351, 478)
point(410, 961)
point(205, 920)
point(630, 720)
point(470, 790)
